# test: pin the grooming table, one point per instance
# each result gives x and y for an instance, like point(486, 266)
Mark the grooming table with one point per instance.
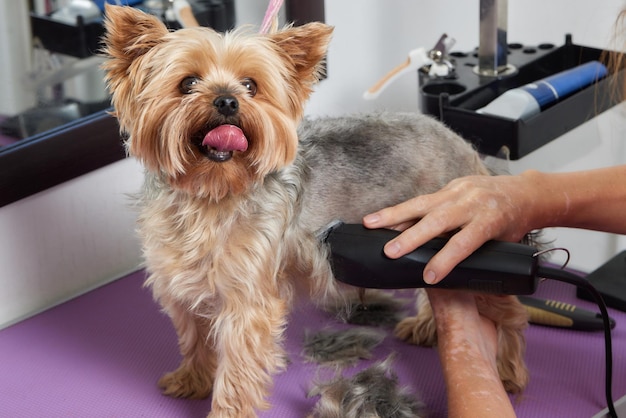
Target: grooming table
point(101, 354)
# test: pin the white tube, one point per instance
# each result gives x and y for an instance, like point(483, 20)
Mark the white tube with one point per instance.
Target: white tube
point(15, 57)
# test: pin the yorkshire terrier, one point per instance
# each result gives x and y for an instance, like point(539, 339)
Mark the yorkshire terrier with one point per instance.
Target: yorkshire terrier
point(235, 193)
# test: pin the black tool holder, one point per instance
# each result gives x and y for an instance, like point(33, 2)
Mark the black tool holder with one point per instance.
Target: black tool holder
point(455, 99)
point(81, 40)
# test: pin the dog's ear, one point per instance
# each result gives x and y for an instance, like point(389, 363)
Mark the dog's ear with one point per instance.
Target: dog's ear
point(306, 47)
point(130, 33)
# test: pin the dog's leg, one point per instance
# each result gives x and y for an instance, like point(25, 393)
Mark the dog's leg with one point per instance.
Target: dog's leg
point(511, 320)
point(308, 264)
point(248, 334)
point(420, 329)
point(194, 376)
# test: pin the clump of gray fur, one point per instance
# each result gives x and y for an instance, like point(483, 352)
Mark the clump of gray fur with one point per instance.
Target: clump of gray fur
point(341, 347)
point(371, 393)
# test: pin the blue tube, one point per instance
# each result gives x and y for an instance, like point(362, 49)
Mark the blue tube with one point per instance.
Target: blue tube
point(550, 89)
point(532, 98)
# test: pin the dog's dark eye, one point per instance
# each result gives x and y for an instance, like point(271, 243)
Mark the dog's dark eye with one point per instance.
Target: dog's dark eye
point(249, 84)
point(188, 84)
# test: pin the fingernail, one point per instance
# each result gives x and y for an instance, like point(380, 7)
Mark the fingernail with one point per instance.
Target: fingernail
point(372, 219)
point(392, 249)
point(430, 277)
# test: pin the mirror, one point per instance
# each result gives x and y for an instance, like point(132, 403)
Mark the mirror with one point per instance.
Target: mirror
point(57, 125)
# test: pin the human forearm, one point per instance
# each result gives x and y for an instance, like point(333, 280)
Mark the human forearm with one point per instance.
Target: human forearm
point(467, 345)
point(473, 391)
point(594, 199)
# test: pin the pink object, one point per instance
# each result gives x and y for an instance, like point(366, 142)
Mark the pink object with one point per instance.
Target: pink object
point(270, 14)
point(226, 138)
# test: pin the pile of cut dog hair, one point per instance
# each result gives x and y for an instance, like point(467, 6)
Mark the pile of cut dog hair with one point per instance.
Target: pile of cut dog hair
point(373, 392)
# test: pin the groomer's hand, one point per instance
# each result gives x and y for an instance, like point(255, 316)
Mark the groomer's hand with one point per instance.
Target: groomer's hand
point(478, 208)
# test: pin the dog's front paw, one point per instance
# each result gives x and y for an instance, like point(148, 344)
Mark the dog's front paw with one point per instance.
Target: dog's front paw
point(182, 383)
point(415, 330)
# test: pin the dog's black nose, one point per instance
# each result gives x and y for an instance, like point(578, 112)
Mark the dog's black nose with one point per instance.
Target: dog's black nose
point(226, 105)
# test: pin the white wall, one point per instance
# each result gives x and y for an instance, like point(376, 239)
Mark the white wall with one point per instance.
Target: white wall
point(75, 236)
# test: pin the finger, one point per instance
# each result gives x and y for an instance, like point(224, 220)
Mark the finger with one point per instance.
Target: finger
point(403, 226)
point(413, 237)
point(460, 246)
point(436, 223)
point(404, 212)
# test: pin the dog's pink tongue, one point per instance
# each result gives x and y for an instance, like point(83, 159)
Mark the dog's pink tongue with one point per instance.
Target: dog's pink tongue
point(226, 138)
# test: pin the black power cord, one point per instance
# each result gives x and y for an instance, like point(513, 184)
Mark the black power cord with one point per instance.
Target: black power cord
point(567, 277)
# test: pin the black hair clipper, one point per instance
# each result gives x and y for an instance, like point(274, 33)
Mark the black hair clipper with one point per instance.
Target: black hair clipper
point(357, 258)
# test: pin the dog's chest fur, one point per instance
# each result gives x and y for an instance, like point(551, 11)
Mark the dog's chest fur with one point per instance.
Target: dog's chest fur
point(194, 244)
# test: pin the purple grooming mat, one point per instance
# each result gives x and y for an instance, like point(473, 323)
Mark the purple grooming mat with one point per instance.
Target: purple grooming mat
point(101, 354)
